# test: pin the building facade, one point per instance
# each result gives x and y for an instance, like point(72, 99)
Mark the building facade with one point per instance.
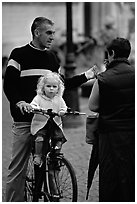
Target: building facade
point(89, 19)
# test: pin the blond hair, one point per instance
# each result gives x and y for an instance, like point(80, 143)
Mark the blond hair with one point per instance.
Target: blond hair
point(43, 80)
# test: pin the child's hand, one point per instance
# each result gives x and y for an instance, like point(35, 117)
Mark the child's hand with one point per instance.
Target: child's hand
point(61, 113)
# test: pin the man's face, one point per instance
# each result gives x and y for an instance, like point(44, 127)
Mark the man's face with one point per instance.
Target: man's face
point(46, 33)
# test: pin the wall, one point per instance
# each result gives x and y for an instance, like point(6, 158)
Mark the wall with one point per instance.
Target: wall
point(17, 18)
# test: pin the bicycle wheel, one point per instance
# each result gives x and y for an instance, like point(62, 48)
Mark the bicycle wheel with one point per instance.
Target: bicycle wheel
point(30, 181)
point(61, 180)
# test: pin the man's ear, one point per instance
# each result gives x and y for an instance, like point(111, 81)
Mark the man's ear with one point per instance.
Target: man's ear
point(113, 53)
point(36, 32)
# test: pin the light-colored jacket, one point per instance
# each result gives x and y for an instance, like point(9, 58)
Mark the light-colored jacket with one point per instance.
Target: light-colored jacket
point(57, 104)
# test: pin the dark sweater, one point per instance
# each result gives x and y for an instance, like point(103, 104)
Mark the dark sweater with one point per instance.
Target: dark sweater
point(26, 65)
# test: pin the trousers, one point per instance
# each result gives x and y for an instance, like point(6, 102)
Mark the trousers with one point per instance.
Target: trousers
point(21, 147)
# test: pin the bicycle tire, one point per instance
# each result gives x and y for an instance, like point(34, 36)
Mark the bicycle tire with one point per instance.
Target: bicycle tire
point(64, 179)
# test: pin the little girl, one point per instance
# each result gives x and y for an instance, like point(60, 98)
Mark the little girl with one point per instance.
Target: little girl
point(50, 89)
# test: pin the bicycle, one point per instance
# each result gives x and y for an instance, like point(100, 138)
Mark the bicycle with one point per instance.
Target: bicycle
point(55, 179)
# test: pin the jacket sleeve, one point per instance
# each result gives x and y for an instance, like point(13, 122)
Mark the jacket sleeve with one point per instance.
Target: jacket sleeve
point(63, 106)
point(11, 83)
point(75, 81)
point(35, 102)
point(94, 97)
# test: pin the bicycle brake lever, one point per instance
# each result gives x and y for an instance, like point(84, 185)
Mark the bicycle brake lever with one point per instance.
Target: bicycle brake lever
point(79, 113)
point(76, 113)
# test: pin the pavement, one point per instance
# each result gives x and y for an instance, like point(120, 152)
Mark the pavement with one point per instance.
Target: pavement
point(75, 150)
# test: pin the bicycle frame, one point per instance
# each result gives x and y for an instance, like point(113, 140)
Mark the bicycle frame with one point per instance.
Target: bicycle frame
point(53, 163)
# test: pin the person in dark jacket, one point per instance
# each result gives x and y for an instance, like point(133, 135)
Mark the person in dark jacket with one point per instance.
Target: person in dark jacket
point(113, 96)
point(25, 65)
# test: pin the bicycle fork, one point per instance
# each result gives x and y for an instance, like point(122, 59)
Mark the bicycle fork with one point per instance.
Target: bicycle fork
point(53, 179)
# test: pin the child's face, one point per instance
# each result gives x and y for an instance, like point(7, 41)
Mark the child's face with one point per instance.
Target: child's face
point(51, 87)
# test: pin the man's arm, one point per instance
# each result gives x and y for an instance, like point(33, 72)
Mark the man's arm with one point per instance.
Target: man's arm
point(78, 80)
point(75, 81)
point(11, 84)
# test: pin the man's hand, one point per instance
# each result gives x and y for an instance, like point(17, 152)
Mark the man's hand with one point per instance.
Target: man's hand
point(92, 72)
point(24, 107)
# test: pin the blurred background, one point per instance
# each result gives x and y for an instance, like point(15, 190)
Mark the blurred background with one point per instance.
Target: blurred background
point(93, 25)
point(82, 31)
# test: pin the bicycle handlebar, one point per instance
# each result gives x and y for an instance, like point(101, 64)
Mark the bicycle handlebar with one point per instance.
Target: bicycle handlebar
point(53, 114)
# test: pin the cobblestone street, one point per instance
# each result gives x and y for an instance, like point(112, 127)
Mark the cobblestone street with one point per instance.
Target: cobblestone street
point(75, 150)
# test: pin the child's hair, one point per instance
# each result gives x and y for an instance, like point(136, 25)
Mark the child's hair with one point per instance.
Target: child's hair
point(43, 79)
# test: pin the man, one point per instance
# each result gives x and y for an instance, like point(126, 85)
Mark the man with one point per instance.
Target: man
point(113, 96)
point(26, 64)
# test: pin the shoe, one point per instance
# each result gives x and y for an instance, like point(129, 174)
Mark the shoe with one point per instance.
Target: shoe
point(37, 160)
